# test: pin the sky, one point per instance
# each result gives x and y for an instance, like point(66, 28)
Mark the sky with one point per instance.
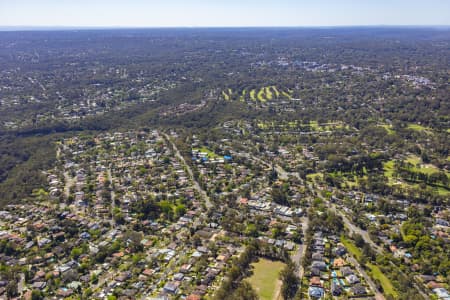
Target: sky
point(223, 13)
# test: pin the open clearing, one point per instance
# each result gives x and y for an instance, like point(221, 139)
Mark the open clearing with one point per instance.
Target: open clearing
point(265, 278)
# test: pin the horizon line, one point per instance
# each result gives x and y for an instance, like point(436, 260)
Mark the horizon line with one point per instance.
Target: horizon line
point(5, 28)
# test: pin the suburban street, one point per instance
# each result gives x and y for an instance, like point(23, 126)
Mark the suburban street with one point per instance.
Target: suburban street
point(191, 174)
point(378, 294)
point(298, 255)
point(365, 235)
point(113, 197)
point(355, 229)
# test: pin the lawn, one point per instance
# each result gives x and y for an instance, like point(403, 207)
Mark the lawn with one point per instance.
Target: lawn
point(265, 278)
point(206, 150)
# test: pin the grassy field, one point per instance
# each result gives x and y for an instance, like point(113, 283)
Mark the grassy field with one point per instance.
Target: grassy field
point(376, 273)
point(355, 251)
point(265, 278)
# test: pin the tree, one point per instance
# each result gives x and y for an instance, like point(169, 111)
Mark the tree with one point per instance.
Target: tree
point(76, 252)
point(180, 210)
point(290, 281)
point(133, 239)
point(359, 241)
point(251, 230)
point(273, 175)
point(37, 295)
point(244, 292)
point(279, 196)
point(11, 289)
